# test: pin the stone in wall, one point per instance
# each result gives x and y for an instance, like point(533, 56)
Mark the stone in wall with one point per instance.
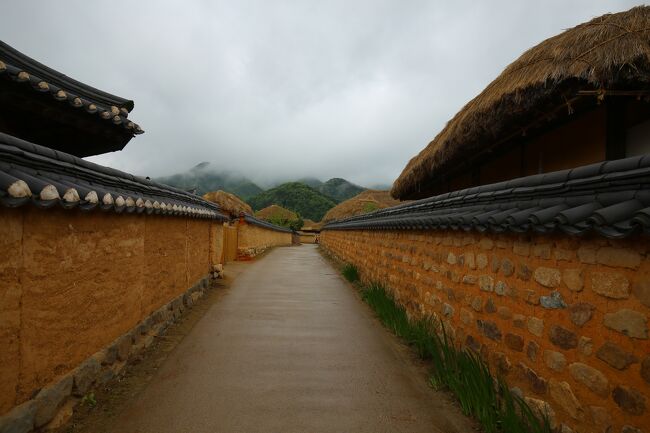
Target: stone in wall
point(610, 285)
point(552, 302)
point(590, 377)
point(537, 384)
point(547, 277)
point(585, 345)
point(514, 342)
point(629, 399)
point(535, 326)
point(628, 322)
point(563, 337)
point(618, 257)
point(573, 279)
point(645, 369)
point(580, 313)
point(532, 349)
point(615, 356)
point(554, 360)
point(50, 399)
point(563, 395)
point(489, 329)
point(641, 288)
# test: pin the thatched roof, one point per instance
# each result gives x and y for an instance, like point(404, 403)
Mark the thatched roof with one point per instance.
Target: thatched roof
point(368, 201)
point(311, 225)
point(611, 52)
point(228, 202)
point(276, 212)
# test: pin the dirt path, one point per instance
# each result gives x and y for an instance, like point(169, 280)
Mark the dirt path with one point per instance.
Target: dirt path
point(289, 348)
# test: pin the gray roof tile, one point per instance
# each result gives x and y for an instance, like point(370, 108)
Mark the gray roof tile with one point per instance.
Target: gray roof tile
point(611, 198)
point(37, 175)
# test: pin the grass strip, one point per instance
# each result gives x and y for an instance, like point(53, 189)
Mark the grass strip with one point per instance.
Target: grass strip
point(350, 273)
point(482, 396)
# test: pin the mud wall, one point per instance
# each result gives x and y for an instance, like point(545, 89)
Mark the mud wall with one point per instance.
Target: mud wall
point(564, 319)
point(253, 240)
point(307, 238)
point(72, 282)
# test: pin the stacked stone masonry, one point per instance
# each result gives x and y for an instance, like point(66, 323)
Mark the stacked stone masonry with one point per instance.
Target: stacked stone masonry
point(563, 319)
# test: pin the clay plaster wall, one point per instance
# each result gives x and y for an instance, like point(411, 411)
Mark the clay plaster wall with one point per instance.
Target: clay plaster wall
point(253, 240)
point(564, 319)
point(307, 238)
point(72, 282)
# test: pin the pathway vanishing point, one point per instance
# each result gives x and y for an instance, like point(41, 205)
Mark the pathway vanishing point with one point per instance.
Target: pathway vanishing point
point(290, 348)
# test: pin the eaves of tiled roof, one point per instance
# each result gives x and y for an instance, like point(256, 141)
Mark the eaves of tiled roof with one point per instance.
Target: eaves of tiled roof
point(23, 70)
point(265, 224)
point(611, 198)
point(36, 175)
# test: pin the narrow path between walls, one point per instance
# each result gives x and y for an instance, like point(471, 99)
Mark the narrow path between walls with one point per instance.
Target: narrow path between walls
point(289, 348)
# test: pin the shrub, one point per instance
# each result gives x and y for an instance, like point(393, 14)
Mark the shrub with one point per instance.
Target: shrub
point(370, 207)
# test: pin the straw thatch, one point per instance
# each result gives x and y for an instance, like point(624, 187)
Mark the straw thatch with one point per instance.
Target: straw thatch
point(275, 212)
point(367, 201)
point(311, 225)
point(609, 52)
point(229, 203)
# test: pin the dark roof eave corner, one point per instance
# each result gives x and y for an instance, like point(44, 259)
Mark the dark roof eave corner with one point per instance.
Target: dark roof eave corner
point(19, 60)
point(100, 111)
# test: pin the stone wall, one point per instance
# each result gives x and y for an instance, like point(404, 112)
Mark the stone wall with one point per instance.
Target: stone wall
point(71, 283)
point(253, 240)
point(562, 318)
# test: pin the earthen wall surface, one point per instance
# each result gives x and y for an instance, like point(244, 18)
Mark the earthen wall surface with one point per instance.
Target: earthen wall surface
point(564, 319)
point(253, 240)
point(72, 282)
point(307, 238)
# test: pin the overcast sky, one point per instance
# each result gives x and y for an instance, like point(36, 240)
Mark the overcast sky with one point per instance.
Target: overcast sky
point(285, 89)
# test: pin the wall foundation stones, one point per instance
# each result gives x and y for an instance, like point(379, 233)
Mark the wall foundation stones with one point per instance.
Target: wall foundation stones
point(52, 407)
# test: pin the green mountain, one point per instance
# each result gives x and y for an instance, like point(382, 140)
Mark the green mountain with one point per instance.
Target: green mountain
point(295, 196)
point(339, 189)
point(311, 181)
point(204, 179)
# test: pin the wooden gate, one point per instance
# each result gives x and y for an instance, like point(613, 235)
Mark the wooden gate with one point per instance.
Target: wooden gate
point(229, 243)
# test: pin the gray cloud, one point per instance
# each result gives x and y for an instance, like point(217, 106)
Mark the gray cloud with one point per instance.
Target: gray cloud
point(286, 89)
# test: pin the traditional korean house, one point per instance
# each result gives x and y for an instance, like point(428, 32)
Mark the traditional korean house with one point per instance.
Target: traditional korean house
point(529, 240)
point(94, 261)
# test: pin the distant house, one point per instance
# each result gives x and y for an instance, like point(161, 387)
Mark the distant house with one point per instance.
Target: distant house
point(529, 240)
